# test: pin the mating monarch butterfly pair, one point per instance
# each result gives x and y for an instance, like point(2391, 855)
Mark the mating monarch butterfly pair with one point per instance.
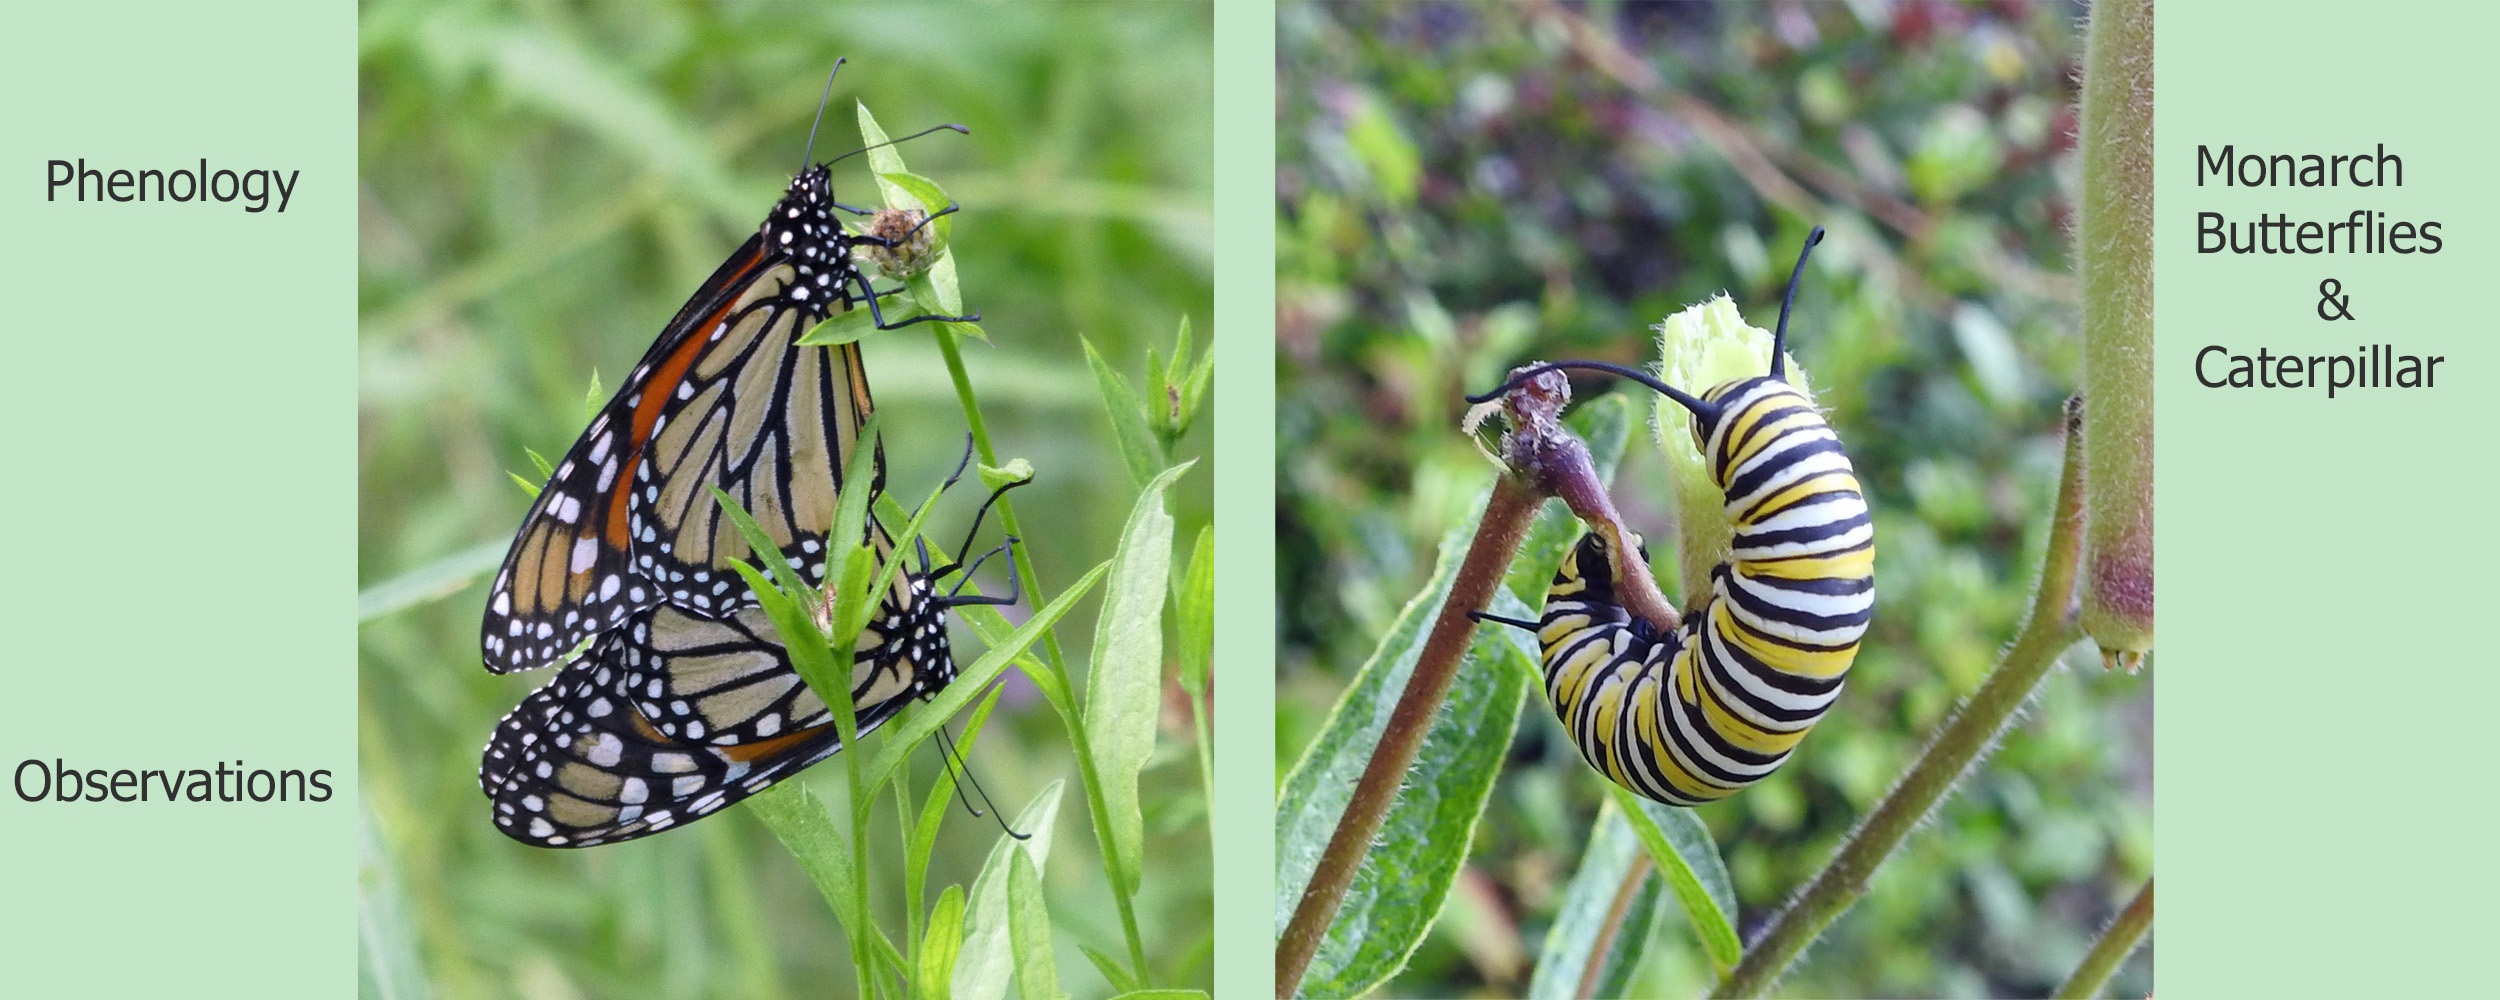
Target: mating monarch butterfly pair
point(685, 700)
point(1694, 714)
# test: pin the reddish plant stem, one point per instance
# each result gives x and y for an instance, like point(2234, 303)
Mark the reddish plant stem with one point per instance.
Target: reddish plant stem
point(1506, 519)
point(1616, 913)
point(1563, 469)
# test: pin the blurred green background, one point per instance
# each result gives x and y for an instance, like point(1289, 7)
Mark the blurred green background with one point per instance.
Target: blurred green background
point(542, 186)
point(1462, 187)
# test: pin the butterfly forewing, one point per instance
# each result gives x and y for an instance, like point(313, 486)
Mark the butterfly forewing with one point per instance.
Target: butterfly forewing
point(721, 399)
point(768, 423)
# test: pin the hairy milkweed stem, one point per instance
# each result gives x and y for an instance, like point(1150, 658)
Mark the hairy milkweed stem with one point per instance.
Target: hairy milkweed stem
point(2117, 941)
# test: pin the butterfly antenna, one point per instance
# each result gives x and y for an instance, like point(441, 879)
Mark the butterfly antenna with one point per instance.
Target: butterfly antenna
point(821, 104)
point(956, 767)
point(948, 127)
point(1779, 337)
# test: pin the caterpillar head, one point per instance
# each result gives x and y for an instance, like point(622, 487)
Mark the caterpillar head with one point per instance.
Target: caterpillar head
point(1598, 558)
point(1599, 563)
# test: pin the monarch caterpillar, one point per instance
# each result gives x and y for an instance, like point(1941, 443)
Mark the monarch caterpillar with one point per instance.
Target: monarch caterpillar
point(1696, 713)
point(724, 398)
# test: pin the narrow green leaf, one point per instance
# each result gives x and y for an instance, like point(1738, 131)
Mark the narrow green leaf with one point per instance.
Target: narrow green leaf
point(972, 330)
point(943, 942)
point(1588, 903)
point(1690, 863)
point(1015, 471)
point(936, 289)
point(844, 327)
point(1138, 450)
point(1178, 394)
point(1197, 613)
point(1159, 407)
point(596, 396)
point(526, 486)
point(1120, 979)
point(787, 600)
point(941, 798)
point(1181, 347)
point(970, 680)
point(1406, 877)
point(545, 471)
point(883, 159)
point(1028, 930)
point(793, 615)
point(774, 564)
point(986, 961)
point(1194, 391)
point(796, 817)
point(387, 966)
point(849, 533)
point(431, 582)
point(924, 193)
point(1124, 689)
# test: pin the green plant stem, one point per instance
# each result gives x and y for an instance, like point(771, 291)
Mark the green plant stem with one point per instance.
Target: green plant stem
point(948, 346)
point(1507, 516)
point(2116, 943)
point(1964, 738)
point(1206, 760)
point(862, 956)
point(913, 889)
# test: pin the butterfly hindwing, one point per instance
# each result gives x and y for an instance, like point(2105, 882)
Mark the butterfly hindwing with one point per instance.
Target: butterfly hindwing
point(676, 716)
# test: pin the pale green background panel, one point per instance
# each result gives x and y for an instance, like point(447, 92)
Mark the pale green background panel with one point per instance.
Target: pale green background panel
point(1245, 506)
point(2324, 785)
point(182, 493)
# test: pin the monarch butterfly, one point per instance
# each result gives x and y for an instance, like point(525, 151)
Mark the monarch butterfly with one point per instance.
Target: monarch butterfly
point(676, 716)
point(723, 398)
point(1694, 714)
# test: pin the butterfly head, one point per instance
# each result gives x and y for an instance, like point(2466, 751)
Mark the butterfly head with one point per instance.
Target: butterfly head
point(802, 230)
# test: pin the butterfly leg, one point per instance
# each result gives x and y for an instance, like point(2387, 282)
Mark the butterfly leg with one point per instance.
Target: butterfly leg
point(924, 223)
point(1015, 584)
point(870, 295)
point(984, 514)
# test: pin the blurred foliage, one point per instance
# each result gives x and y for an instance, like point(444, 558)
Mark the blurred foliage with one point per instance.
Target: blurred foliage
point(542, 186)
point(1464, 187)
